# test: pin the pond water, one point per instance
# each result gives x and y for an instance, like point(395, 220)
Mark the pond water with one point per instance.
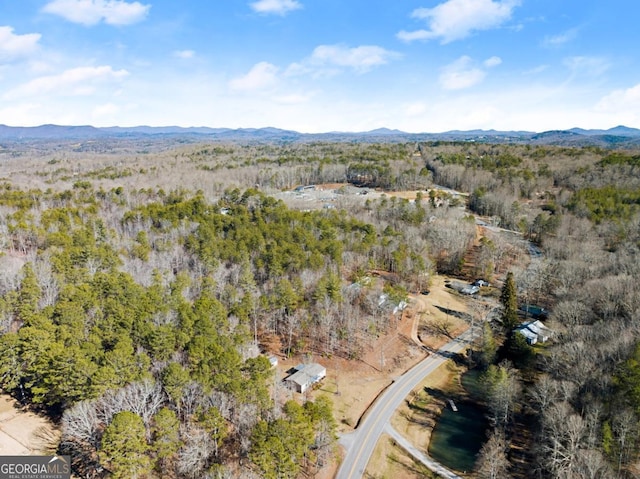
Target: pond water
point(458, 436)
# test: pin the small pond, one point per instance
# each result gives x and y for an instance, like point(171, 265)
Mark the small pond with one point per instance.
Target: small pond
point(458, 436)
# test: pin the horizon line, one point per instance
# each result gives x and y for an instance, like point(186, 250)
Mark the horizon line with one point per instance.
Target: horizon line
point(387, 130)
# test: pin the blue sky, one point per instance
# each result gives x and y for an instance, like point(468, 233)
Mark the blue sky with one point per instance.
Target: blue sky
point(317, 66)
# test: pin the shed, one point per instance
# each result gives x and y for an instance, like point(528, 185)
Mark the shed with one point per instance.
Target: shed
point(536, 312)
point(305, 376)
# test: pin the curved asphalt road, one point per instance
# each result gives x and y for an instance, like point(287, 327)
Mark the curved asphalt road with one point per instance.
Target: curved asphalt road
point(361, 443)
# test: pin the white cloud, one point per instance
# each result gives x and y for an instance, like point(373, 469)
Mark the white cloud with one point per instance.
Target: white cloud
point(261, 76)
point(277, 7)
point(457, 19)
point(92, 12)
point(461, 74)
point(325, 60)
point(624, 103)
point(591, 66)
point(560, 39)
point(361, 59)
point(15, 46)
point(414, 35)
point(105, 110)
point(415, 109)
point(492, 62)
point(74, 82)
point(20, 115)
point(536, 70)
point(39, 67)
point(184, 54)
point(617, 97)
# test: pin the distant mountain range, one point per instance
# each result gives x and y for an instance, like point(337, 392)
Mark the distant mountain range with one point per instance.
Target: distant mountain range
point(619, 136)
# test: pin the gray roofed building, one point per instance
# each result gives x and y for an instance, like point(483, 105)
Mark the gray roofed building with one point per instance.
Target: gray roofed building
point(306, 375)
point(534, 331)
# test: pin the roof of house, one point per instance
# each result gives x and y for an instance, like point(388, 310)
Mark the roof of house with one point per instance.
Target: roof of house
point(533, 329)
point(307, 373)
point(537, 327)
point(387, 304)
point(528, 334)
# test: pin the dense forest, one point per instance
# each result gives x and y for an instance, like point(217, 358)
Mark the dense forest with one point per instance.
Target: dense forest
point(139, 293)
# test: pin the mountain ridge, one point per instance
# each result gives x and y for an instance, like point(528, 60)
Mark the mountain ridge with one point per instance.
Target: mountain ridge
point(617, 136)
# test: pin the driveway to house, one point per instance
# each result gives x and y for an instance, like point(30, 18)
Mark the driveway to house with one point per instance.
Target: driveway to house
point(419, 455)
point(361, 443)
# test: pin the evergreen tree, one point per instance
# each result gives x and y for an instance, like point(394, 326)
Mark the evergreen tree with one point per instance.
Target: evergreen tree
point(29, 296)
point(174, 380)
point(166, 435)
point(509, 301)
point(489, 347)
point(123, 448)
point(627, 380)
point(11, 371)
point(279, 447)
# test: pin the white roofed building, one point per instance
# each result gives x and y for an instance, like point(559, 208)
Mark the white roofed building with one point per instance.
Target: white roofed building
point(534, 332)
point(306, 375)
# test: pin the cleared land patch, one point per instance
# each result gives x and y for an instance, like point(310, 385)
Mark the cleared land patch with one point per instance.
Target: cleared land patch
point(23, 432)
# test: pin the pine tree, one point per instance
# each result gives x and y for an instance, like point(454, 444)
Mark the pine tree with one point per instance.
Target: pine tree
point(123, 448)
point(489, 347)
point(29, 295)
point(166, 435)
point(509, 301)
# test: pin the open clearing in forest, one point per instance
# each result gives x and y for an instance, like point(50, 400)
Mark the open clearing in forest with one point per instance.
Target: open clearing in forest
point(24, 433)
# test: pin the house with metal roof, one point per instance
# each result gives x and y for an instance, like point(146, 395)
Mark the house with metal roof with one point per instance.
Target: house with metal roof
point(534, 331)
point(305, 376)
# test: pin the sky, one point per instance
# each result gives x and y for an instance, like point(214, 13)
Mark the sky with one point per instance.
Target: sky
point(320, 66)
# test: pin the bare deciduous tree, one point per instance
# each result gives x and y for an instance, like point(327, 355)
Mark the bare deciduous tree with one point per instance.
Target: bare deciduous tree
point(81, 424)
point(198, 449)
point(492, 461)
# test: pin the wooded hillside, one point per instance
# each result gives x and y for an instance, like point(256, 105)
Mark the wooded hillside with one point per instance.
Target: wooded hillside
point(140, 291)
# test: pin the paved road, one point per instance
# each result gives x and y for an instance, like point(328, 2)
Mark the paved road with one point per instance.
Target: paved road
point(361, 443)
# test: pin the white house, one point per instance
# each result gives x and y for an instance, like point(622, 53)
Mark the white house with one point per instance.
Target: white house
point(534, 331)
point(306, 375)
